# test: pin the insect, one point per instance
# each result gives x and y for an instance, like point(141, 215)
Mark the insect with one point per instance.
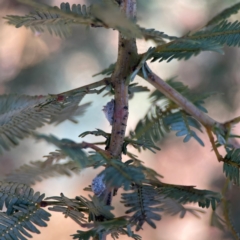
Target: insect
point(98, 186)
point(109, 111)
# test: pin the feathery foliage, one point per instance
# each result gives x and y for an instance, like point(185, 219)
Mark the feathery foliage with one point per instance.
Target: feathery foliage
point(69, 207)
point(20, 115)
point(37, 171)
point(22, 211)
point(68, 147)
point(157, 36)
point(22, 221)
point(173, 207)
point(144, 204)
point(70, 111)
point(188, 194)
point(14, 194)
point(147, 198)
point(122, 175)
point(226, 13)
point(58, 21)
point(181, 122)
point(164, 115)
point(231, 165)
point(224, 33)
point(115, 227)
point(54, 20)
point(184, 48)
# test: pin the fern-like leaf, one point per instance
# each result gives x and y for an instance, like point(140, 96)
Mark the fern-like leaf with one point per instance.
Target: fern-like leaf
point(149, 130)
point(69, 148)
point(171, 117)
point(182, 123)
point(224, 33)
point(188, 194)
point(59, 21)
point(70, 111)
point(173, 207)
point(96, 208)
point(54, 20)
point(231, 165)
point(22, 221)
point(107, 71)
point(226, 13)
point(144, 204)
point(184, 48)
point(37, 171)
point(156, 36)
point(123, 175)
point(69, 207)
point(14, 194)
point(115, 227)
point(21, 114)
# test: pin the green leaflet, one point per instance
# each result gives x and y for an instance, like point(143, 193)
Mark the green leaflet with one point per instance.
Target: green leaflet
point(123, 175)
point(150, 130)
point(59, 21)
point(69, 207)
point(211, 38)
point(22, 221)
point(231, 165)
point(224, 33)
point(69, 148)
point(226, 13)
point(13, 194)
point(70, 111)
point(85, 235)
point(157, 36)
point(182, 123)
point(21, 114)
point(184, 48)
point(106, 71)
point(54, 20)
point(173, 207)
point(115, 227)
point(164, 115)
point(97, 208)
point(144, 204)
point(188, 194)
point(37, 171)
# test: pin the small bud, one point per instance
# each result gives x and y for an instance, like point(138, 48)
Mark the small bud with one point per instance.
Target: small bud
point(98, 186)
point(109, 111)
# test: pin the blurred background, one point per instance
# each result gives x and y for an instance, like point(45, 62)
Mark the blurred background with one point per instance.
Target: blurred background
point(40, 64)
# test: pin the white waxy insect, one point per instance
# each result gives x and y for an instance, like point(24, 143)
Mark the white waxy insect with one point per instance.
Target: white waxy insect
point(109, 111)
point(98, 186)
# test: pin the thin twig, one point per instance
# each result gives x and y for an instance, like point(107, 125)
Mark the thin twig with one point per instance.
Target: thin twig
point(86, 88)
point(211, 138)
point(186, 105)
point(228, 220)
point(104, 153)
point(232, 121)
point(179, 99)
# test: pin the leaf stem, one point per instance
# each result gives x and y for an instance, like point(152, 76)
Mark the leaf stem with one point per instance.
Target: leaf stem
point(211, 138)
point(186, 105)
